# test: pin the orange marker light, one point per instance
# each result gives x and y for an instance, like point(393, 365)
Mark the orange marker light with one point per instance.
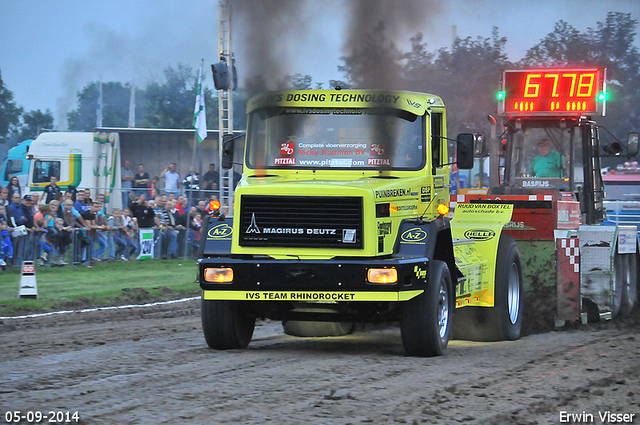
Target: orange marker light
point(221, 275)
point(443, 209)
point(385, 276)
point(214, 205)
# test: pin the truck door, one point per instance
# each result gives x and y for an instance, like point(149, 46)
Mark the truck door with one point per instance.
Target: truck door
point(438, 149)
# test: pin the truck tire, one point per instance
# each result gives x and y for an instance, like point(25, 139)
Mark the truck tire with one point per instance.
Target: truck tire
point(317, 329)
point(630, 287)
point(425, 321)
point(503, 321)
point(225, 325)
point(506, 315)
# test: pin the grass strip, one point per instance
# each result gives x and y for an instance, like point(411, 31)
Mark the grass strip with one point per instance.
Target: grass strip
point(107, 283)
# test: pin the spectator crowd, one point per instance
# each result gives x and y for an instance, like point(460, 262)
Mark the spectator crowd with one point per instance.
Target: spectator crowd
point(59, 227)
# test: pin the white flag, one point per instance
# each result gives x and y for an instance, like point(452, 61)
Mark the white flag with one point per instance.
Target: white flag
point(199, 114)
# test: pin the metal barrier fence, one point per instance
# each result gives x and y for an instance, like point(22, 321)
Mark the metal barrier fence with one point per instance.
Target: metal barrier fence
point(77, 246)
point(623, 212)
point(119, 197)
point(122, 195)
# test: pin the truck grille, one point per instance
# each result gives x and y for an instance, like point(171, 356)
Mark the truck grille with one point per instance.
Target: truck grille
point(301, 221)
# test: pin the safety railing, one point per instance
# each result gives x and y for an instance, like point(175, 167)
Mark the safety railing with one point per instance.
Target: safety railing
point(622, 212)
point(79, 246)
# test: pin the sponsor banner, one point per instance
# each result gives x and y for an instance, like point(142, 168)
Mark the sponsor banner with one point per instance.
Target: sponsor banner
point(484, 212)
point(379, 161)
point(284, 161)
point(627, 238)
point(425, 194)
point(517, 225)
point(220, 231)
point(318, 296)
point(393, 193)
point(478, 227)
point(377, 149)
point(315, 97)
point(396, 208)
point(474, 291)
point(414, 235)
point(146, 244)
point(341, 102)
point(536, 183)
point(480, 234)
point(287, 148)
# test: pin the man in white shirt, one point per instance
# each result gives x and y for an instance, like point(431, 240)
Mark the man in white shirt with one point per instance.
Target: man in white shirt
point(171, 179)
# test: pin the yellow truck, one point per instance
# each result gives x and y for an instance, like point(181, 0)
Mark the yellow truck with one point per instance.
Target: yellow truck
point(341, 217)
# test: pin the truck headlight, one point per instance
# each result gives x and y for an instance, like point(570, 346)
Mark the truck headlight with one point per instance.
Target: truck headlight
point(384, 276)
point(218, 275)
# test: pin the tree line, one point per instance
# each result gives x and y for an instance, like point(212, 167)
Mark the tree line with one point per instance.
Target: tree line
point(464, 75)
point(15, 122)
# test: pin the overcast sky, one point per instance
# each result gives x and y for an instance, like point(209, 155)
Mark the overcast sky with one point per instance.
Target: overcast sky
point(50, 49)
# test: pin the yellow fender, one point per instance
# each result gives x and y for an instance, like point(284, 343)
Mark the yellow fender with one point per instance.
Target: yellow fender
point(475, 229)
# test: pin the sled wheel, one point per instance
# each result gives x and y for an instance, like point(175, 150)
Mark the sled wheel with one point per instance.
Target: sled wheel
point(225, 325)
point(618, 277)
point(317, 329)
point(630, 287)
point(425, 320)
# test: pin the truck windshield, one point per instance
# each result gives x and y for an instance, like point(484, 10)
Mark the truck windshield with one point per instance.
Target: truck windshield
point(43, 170)
point(544, 157)
point(313, 138)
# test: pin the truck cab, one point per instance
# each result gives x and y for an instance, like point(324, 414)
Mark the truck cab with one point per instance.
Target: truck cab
point(377, 158)
point(341, 216)
point(16, 165)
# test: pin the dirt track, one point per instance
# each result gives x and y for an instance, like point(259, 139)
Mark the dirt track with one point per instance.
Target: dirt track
point(151, 365)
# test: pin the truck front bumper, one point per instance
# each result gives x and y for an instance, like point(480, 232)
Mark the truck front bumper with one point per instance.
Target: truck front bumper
point(336, 280)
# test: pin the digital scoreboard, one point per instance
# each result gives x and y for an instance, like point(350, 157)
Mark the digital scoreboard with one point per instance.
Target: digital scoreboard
point(552, 92)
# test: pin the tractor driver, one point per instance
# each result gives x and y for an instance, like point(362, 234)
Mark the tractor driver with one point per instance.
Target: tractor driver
point(548, 163)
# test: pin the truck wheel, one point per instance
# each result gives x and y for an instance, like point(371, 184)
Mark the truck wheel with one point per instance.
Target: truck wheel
point(505, 318)
point(225, 325)
point(317, 329)
point(630, 287)
point(425, 320)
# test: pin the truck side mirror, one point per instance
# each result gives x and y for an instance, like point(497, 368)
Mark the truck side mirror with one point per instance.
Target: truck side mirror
point(220, 75)
point(632, 144)
point(479, 146)
point(227, 151)
point(465, 150)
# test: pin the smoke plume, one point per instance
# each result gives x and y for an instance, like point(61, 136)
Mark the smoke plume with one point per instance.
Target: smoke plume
point(270, 33)
point(120, 54)
point(274, 34)
point(374, 30)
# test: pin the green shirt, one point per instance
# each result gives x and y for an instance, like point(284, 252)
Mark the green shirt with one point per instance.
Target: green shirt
point(547, 166)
